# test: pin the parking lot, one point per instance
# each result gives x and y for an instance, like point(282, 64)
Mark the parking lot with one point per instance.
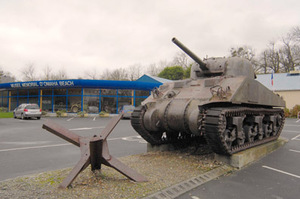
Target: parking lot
point(276, 176)
point(26, 148)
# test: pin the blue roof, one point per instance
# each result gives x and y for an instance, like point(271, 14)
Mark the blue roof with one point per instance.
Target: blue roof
point(82, 83)
point(153, 79)
point(281, 81)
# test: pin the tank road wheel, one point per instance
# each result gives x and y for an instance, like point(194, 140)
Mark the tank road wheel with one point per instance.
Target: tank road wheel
point(241, 138)
point(267, 130)
point(250, 132)
point(230, 130)
point(267, 127)
point(259, 127)
point(229, 137)
point(260, 135)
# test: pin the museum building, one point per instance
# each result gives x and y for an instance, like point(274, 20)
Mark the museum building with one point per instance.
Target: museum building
point(73, 95)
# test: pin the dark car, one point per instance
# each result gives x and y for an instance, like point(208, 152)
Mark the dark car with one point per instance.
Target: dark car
point(127, 110)
point(28, 111)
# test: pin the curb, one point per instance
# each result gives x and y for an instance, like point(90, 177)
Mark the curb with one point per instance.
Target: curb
point(75, 115)
point(185, 186)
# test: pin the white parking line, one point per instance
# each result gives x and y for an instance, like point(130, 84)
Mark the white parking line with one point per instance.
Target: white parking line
point(87, 128)
point(291, 125)
point(94, 119)
point(68, 120)
point(298, 120)
point(296, 138)
point(294, 150)
point(34, 147)
point(66, 144)
point(280, 171)
point(291, 131)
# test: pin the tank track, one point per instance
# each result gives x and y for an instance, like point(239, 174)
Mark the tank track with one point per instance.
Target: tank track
point(215, 124)
point(157, 138)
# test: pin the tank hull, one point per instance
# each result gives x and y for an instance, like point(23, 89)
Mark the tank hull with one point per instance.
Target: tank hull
point(182, 110)
point(221, 103)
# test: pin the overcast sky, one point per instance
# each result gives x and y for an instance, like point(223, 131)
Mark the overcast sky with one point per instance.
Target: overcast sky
point(81, 35)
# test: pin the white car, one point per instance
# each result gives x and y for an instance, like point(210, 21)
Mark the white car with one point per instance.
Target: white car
point(28, 111)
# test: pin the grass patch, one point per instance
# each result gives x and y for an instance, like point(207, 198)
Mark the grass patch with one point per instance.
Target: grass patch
point(6, 115)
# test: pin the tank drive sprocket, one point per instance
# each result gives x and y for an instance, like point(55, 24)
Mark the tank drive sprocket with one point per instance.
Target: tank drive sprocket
point(154, 138)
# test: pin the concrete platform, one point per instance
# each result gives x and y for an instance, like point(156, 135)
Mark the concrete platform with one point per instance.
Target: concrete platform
point(251, 155)
point(237, 160)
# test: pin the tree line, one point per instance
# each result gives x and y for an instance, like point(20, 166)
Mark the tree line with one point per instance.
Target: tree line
point(281, 55)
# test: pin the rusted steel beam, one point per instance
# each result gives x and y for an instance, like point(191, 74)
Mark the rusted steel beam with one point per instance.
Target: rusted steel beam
point(80, 166)
point(62, 132)
point(110, 126)
point(122, 168)
point(94, 151)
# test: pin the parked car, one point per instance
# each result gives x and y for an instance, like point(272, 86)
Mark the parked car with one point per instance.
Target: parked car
point(127, 110)
point(28, 111)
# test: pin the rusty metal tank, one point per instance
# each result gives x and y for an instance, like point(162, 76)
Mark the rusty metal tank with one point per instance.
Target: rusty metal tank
point(221, 102)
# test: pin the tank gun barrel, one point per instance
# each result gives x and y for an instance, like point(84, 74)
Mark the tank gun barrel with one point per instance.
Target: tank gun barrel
point(191, 54)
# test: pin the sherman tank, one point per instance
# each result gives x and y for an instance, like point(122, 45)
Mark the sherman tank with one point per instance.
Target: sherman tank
point(221, 103)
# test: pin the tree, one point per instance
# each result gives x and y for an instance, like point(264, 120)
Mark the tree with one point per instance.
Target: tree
point(181, 59)
point(245, 51)
point(172, 73)
point(91, 74)
point(28, 72)
point(61, 74)
point(154, 69)
point(187, 72)
point(296, 34)
point(271, 59)
point(134, 72)
point(282, 55)
point(1, 73)
point(117, 74)
point(287, 53)
point(47, 73)
point(248, 53)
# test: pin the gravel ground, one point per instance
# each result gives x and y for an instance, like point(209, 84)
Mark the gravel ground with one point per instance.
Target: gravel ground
point(162, 169)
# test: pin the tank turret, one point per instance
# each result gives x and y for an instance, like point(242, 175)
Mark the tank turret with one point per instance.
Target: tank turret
point(221, 103)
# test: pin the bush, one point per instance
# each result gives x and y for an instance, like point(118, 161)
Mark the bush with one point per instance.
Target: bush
point(294, 111)
point(81, 113)
point(59, 112)
point(287, 112)
point(3, 109)
point(103, 114)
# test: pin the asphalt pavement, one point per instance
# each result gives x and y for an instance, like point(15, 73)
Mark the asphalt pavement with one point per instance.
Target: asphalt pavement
point(276, 176)
point(26, 148)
